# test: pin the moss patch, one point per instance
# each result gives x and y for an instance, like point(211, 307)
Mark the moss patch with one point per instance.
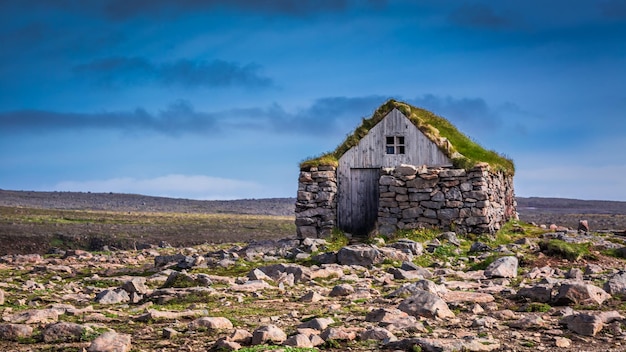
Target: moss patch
point(571, 251)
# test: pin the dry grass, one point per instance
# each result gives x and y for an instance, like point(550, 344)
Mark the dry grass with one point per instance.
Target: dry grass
point(30, 230)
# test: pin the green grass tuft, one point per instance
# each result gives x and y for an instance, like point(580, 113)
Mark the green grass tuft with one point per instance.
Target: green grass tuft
point(571, 251)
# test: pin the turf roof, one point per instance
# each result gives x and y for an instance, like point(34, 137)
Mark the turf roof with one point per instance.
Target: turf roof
point(463, 152)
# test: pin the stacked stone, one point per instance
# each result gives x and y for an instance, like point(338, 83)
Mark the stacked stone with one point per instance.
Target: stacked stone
point(464, 201)
point(316, 203)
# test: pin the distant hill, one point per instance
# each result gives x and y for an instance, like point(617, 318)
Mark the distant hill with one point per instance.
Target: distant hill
point(141, 203)
point(562, 211)
point(569, 206)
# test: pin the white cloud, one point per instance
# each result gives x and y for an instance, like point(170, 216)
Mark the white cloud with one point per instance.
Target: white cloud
point(175, 186)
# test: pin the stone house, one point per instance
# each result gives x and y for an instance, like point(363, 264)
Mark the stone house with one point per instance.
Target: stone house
point(405, 168)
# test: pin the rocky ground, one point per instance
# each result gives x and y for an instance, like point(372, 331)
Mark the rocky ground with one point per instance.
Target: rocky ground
point(525, 289)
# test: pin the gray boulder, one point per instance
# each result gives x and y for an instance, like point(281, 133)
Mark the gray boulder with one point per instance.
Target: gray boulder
point(450, 237)
point(211, 323)
point(14, 332)
point(502, 267)
point(583, 324)
point(300, 273)
point(538, 293)
point(341, 290)
point(380, 334)
point(580, 293)
point(408, 290)
point(112, 296)
point(616, 285)
point(400, 274)
point(410, 246)
point(479, 247)
point(163, 260)
point(136, 285)
point(426, 304)
point(318, 323)
point(359, 255)
point(268, 333)
point(110, 341)
point(299, 341)
point(63, 332)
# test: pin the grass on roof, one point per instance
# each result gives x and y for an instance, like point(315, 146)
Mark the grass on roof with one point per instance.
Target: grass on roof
point(463, 152)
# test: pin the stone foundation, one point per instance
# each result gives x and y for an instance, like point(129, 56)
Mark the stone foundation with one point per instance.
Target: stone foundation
point(316, 204)
point(474, 201)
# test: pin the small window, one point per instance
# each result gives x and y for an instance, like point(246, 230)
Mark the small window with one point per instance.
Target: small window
point(395, 145)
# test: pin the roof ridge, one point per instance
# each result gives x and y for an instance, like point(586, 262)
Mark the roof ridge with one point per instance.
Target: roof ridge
point(464, 152)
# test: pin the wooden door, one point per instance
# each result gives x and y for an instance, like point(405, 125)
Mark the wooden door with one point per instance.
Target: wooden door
point(359, 218)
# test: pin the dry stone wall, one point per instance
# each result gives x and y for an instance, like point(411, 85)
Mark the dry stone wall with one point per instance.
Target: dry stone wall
point(476, 201)
point(316, 203)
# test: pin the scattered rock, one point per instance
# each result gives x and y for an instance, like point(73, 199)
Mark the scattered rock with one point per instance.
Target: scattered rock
point(169, 333)
point(299, 340)
point(538, 293)
point(450, 237)
point(502, 267)
point(225, 345)
point(341, 290)
point(404, 309)
point(241, 336)
point(258, 274)
point(136, 285)
point(479, 247)
point(211, 323)
point(574, 274)
point(34, 316)
point(300, 273)
point(268, 334)
point(63, 332)
point(359, 255)
point(531, 321)
point(445, 345)
point(410, 246)
point(583, 324)
point(14, 332)
point(469, 297)
point(426, 304)
point(407, 290)
point(311, 297)
point(380, 334)
point(112, 296)
point(591, 269)
point(562, 342)
point(583, 226)
point(317, 323)
point(580, 293)
point(252, 286)
point(339, 334)
point(110, 342)
point(616, 285)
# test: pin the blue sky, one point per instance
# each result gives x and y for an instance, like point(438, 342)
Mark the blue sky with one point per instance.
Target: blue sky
point(220, 99)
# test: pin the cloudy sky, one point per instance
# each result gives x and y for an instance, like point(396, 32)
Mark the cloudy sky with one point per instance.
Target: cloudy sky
point(221, 99)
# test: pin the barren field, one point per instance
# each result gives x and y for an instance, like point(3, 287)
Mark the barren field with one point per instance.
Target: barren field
point(34, 222)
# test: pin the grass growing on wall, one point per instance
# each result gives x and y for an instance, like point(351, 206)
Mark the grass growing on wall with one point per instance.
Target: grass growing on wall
point(463, 152)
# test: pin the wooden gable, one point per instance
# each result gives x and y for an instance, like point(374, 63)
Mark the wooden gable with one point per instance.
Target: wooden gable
point(359, 167)
point(371, 151)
